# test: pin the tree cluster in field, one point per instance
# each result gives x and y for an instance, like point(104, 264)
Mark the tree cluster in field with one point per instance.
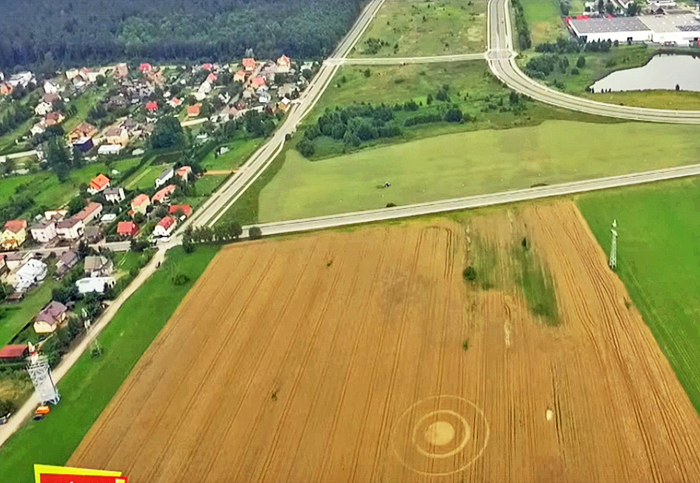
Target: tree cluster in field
point(524, 40)
point(79, 32)
point(544, 65)
point(570, 46)
point(373, 45)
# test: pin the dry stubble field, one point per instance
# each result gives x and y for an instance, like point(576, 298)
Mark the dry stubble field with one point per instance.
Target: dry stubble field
point(339, 357)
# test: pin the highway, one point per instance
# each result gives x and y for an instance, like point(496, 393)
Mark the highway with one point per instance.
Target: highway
point(501, 59)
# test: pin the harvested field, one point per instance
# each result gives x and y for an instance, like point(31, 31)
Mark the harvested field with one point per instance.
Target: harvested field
point(364, 356)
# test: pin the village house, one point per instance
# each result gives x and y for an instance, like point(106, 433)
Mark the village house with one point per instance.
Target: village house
point(95, 284)
point(185, 209)
point(164, 227)
point(55, 215)
point(127, 229)
point(50, 318)
point(51, 87)
point(257, 82)
point(31, 273)
point(205, 88)
point(43, 108)
point(109, 149)
point(6, 89)
point(248, 63)
point(151, 106)
point(67, 261)
point(14, 260)
point(98, 266)
point(164, 177)
point(44, 232)
point(50, 97)
point(114, 195)
point(71, 229)
point(145, 67)
point(283, 105)
point(264, 97)
point(184, 173)
point(84, 130)
point(207, 66)
point(53, 119)
point(14, 353)
point(37, 129)
point(194, 110)
point(20, 79)
point(175, 102)
point(239, 76)
point(284, 64)
point(93, 234)
point(121, 71)
point(116, 135)
point(89, 213)
point(98, 183)
point(140, 204)
point(163, 195)
point(14, 234)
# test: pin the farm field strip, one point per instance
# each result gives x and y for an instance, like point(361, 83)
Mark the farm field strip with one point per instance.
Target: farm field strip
point(324, 357)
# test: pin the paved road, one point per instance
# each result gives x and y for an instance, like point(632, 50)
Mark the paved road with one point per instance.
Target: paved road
point(478, 201)
point(502, 63)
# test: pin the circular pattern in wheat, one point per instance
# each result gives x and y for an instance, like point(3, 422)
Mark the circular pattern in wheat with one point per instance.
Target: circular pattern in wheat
point(440, 435)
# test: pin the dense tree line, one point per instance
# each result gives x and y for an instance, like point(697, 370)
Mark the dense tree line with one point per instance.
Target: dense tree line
point(77, 32)
point(569, 46)
point(524, 40)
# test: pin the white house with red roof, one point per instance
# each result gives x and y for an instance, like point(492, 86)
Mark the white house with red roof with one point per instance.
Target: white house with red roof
point(284, 64)
point(164, 227)
point(140, 203)
point(186, 210)
point(248, 63)
point(98, 183)
point(14, 234)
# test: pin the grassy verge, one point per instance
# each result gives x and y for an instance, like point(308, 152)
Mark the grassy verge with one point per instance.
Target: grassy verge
point(407, 29)
point(89, 386)
point(14, 317)
point(544, 19)
point(240, 150)
point(471, 163)
point(659, 262)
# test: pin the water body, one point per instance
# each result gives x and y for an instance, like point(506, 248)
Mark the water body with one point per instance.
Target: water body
point(662, 72)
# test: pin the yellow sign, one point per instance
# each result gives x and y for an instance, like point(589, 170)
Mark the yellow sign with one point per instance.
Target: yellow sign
point(50, 474)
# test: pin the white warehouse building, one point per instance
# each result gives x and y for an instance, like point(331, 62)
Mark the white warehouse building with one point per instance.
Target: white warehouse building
point(676, 29)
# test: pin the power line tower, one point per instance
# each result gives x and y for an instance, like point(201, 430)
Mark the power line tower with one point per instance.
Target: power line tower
point(613, 248)
point(40, 374)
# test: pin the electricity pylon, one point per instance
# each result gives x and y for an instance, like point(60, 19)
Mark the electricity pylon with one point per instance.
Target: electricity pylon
point(613, 248)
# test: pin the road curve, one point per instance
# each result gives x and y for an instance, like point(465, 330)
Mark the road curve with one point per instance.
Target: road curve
point(501, 59)
point(478, 201)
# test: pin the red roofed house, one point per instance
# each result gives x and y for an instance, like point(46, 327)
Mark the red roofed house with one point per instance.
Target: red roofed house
point(127, 229)
point(53, 118)
point(258, 82)
point(164, 227)
point(207, 66)
point(239, 76)
point(145, 67)
point(152, 106)
point(50, 318)
point(284, 63)
point(6, 89)
point(193, 111)
point(184, 172)
point(140, 203)
point(248, 63)
point(162, 195)
point(212, 78)
point(186, 210)
point(98, 183)
point(175, 102)
point(14, 234)
point(14, 352)
point(89, 213)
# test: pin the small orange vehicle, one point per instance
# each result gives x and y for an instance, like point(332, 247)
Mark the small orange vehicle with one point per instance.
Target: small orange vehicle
point(43, 410)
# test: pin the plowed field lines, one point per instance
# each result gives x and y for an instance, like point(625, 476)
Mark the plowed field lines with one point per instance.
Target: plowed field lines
point(338, 357)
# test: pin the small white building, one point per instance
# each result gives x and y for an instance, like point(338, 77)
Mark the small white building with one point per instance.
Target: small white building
point(114, 195)
point(70, 229)
point(50, 87)
point(44, 232)
point(32, 272)
point(164, 177)
point(95, 284)
point(109, 149)
point(43, 108)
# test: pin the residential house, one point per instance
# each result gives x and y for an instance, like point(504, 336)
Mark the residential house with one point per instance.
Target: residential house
point(145, 67)
point(71, 229)
point(14, 260)
point(239, 76)
point(72, 73)
point(164, 227)
point(163, 195)
point(121, 71)
point(257, 82)
point(175, 102)
point(127, 229)
point(44, 231)
point(53, 119)
point(283, 105)
point(284, 64)
point(21, 79)
point(264, 97)
point(14, 353)
point(98, 266)
point(117, 102)
point(116, 135)
point(37, 129)
point(114, 195)
point(94, 234)
point(205, 88)
point(43, 108)
point(6, 89)
point(84, 130)
point(286, 90)
point(89, 213)
point(152, 106)
point(98, 183)
point(109, 149)
point(51, 87)
point(212, 78)
point(32, 272)
point(83, 144)
point(194, 110)
point(184, 173)
point(55, 215)
point(186, 211)
point(95, 284)
point(108, 218)
point(248, 64)
point(91, 75)
point(67, 261)
point(164, 177)
point(50, 318)
point(14, 234)
point(140, 204)
point(207, 66)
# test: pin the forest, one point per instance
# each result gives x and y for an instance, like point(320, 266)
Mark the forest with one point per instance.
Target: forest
point(50, 34)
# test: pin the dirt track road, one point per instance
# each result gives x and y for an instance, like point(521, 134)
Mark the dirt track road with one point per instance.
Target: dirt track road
point(339, 357)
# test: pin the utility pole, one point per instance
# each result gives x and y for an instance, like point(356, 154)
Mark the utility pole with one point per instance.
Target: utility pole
point(613, 248)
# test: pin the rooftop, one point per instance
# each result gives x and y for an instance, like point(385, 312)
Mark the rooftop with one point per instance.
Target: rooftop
point(614, 24)
point(671, 22)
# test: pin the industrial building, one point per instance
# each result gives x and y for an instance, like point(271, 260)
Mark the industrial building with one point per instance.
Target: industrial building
point(670, 29)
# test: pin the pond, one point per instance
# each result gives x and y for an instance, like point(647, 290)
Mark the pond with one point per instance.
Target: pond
point(662, 72)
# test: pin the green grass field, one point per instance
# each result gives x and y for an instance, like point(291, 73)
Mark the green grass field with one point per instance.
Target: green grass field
point(145, 177)
point(471, 163)
point(89, 386)
point(16, 316)
point(84, 104)
point(206, 185)
point(544, 19)
point(412, 28)
point(240, 151)
point(659, 262)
